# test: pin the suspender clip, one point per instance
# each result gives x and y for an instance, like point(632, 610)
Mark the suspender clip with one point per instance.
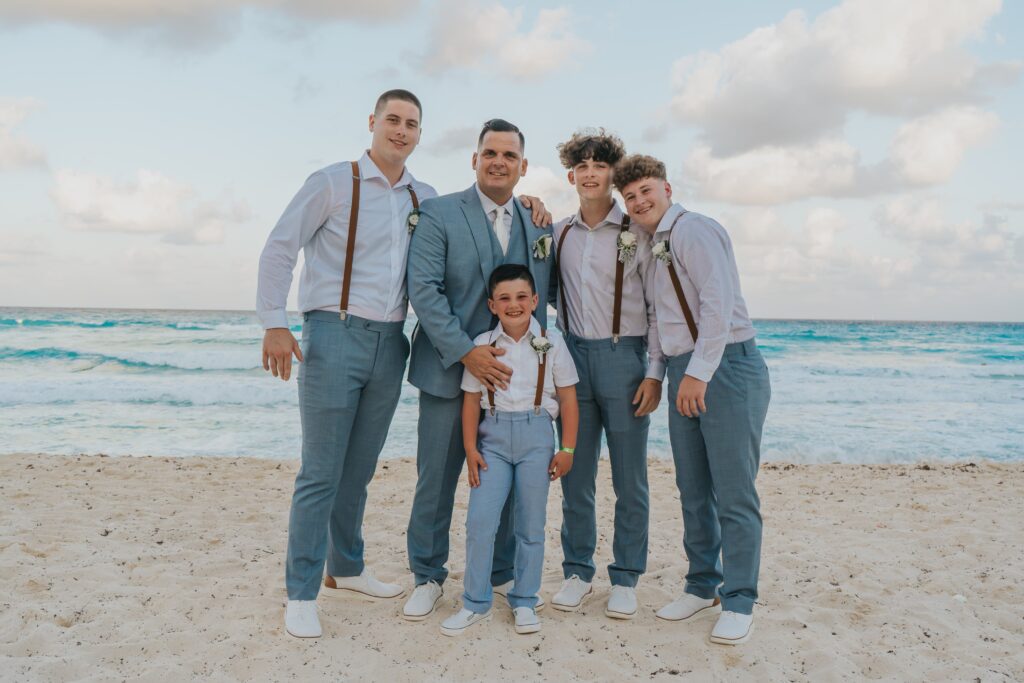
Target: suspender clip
point(615, 339)
point(492, 410)
point(536, 410)
point(343, 315)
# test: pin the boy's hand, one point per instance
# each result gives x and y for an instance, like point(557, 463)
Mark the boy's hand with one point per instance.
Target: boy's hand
point(690, 397)
point(648, 396)
point(560, 465)
point(476, 462)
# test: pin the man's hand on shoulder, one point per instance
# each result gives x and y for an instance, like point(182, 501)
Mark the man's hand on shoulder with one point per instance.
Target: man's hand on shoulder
point(538, 212)
point(483, 364)
point(278, 347)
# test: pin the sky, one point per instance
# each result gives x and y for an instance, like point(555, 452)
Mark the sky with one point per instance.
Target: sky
point(864, 155)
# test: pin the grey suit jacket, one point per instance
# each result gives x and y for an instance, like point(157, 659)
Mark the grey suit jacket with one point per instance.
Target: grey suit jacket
point(451, 255)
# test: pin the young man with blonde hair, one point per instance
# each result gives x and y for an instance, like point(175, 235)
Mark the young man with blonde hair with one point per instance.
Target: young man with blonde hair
point(606, 313)
point(719, 388)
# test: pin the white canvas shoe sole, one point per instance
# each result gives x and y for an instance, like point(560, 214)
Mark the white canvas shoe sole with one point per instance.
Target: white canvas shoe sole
point(699, 614)
point(732, 641)
point(331, 587)
point(573, 608)
point(527, 628)
point(608, 612)
point(459, 631)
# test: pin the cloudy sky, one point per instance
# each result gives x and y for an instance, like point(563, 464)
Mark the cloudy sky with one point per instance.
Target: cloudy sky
point(865, 155)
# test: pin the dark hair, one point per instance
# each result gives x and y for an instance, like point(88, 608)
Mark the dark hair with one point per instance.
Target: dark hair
point(397, 94)
point(637, 167)
point(506, 273)
point(501, 126)
point(591, 144)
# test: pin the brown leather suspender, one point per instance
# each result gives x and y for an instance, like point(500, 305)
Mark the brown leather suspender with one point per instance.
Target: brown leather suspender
point(350, 247)
point(677, 285)
point(539, 394)
point(620, 269)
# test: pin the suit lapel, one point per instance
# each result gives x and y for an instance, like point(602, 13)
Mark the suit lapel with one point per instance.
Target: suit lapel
point(479, 229)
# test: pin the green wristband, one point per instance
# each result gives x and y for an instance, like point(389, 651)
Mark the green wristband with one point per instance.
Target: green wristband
point(570, 451)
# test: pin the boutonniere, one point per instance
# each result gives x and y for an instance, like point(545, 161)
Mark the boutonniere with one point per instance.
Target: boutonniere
point(413, 220)
point(542, 247)
point(661, 251)
point(627, 246)
point(541, 345)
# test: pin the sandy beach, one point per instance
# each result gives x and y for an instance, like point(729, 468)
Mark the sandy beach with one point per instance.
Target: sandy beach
point(172, 569)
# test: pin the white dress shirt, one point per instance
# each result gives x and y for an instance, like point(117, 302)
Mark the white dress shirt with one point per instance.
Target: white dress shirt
point(706, 266)
point(316, 221)
point(589, 255)
point(559, 371)
point(490, 206)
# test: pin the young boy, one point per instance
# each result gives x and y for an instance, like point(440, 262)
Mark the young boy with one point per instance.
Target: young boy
point(719, 385)
point(511, 448)
point(606, 312)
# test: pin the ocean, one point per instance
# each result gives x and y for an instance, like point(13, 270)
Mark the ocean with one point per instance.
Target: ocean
point(186, 383)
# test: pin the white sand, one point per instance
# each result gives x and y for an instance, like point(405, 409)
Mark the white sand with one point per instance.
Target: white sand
point(170, 569)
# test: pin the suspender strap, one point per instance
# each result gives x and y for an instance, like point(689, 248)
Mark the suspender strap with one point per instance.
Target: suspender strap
point(415, 200)
point(678, 285)
point(350, 248)
point(539, 394)
point(619, 270)
point(561, 281)
point(540, 381)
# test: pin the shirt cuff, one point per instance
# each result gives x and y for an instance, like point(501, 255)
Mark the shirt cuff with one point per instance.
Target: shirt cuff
point(656, 369)
point(700, 369)
point(274, 318)
point(458, 355)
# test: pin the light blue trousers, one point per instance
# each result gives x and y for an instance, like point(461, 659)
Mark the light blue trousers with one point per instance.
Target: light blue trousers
point(440, 458)
point(717, 456)
point(609, 377)
point(349, 385)
point(517, 447)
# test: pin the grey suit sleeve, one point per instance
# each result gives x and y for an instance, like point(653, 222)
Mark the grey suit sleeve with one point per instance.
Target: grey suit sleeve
point(427, 293)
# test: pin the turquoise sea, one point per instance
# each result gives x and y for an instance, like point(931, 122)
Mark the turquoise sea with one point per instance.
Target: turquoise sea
point(183, 383)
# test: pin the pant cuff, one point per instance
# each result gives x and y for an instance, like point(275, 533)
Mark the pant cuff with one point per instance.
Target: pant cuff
point(738, 604)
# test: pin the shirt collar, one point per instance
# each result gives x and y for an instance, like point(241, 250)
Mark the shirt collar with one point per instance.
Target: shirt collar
point(368, 170)
point(533, 331)
point(614, 217)
point(490, 205)
point(669, 217)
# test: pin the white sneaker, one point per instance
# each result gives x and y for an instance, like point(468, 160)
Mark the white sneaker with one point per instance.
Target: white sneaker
point(422, 601)
point(688, 607)
point(456, 624)
point(732, 628)
point(526, 620)
point(504, 589)
point(300, 619)
point(364, 584)
point(572, 594)
point(621, 603)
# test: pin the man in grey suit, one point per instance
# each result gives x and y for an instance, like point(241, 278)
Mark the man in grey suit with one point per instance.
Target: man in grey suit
point(459, 239)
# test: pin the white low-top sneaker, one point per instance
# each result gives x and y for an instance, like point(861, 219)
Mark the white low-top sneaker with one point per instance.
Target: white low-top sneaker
point(621, 603)
point(422, 601)
point(573, 593)
point(300, 619)
point(504, 589)
point(527, 620)
point(364, 584)
point(732, 628)
point(688, 607)
point(456, 624)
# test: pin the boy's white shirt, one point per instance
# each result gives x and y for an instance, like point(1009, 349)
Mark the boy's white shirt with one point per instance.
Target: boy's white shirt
point(560, 371)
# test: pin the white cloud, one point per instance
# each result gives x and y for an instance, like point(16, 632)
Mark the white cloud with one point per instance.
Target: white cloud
point(928, 150)
point(796, 81)
point(472, 34)
point(772, 175)
point(552, 187)
point(151, 203)
point(21, 249)
point(192, 22)
point(15, 150)
point(461, 139)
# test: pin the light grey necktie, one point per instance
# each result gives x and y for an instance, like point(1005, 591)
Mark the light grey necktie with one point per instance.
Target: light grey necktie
point(500, 230)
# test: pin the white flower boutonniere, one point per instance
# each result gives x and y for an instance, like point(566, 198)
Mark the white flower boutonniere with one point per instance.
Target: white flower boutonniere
point(627, 246)
point(542, 247)
point(541, 345)
point(413, 220)
point(661, 251)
